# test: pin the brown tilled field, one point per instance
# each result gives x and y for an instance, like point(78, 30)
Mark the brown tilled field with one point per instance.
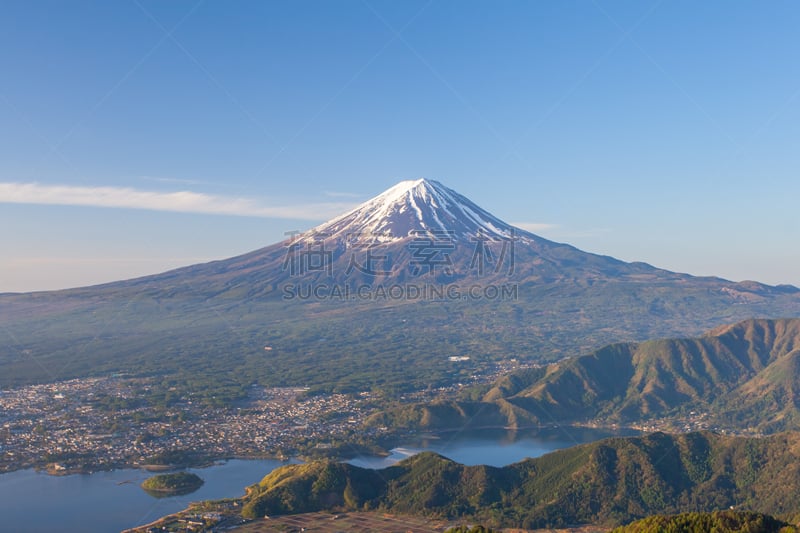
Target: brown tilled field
point(370, 522)
point(345, 523)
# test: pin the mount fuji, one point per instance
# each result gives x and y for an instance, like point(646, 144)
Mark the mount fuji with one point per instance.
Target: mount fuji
point(418, 230)
point(416, 206)
point(334, 305)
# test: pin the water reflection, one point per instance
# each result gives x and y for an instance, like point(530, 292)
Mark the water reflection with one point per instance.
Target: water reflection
point(494, 447)
point(113, 501)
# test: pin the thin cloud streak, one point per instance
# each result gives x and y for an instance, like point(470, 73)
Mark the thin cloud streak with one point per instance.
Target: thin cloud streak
point(49, 261)
point(178, 202)
point(533, 227)
point(174, 180)
point(338, 194)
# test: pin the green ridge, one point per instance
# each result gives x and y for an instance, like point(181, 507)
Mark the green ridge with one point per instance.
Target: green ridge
point(609, 482)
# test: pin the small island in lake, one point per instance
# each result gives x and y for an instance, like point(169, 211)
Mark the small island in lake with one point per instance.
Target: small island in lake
point(179, 483)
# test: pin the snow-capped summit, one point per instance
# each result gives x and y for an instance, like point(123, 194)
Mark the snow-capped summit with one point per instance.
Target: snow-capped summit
point(416, 206)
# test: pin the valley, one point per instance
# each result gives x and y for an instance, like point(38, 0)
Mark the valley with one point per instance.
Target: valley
point(91, 424)
point(221, 326)
point(70, 428)
point(739, 377)
point(416, 312)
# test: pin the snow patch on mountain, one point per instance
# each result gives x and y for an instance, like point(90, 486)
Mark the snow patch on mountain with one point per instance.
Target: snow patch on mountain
point(413, 207)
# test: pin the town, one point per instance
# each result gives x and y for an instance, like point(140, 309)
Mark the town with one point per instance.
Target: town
point(58, 426)
point(99, 423)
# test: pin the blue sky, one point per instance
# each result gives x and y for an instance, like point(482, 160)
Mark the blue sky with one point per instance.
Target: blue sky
point(179, 132)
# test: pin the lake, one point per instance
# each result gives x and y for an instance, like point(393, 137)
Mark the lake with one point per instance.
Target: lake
point(494, 447)
point(104, 502)
point(109, 501)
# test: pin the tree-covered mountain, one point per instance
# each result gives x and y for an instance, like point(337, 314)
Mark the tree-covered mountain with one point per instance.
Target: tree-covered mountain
point(718, 522)
point(609, 482)
point(743, 375)
point(178, 483)
point(379, 297)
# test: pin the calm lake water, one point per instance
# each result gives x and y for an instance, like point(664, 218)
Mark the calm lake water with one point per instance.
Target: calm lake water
point(112, 501)
point(494, 447)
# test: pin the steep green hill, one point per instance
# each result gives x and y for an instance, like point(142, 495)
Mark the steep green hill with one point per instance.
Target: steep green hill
point(609, 482)
point(745, 375)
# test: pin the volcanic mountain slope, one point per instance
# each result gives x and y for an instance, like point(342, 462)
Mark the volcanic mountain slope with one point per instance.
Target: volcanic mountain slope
point(418, 231)
point(531, 299)
point(742, 376)
point(607, 482)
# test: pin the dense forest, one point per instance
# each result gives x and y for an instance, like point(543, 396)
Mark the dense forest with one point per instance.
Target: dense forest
point(718, 522)
point(176, 483)
point(610, 482)
point(740, 376)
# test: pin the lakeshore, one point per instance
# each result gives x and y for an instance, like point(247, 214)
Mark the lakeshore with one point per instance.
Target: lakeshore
point(73, 498)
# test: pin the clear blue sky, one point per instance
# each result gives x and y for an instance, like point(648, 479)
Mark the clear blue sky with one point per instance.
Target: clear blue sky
point(667, 132)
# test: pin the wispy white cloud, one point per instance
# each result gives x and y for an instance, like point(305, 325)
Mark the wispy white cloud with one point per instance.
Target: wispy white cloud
point(583, 233)
point(179, 201)
point(180, 181)
point(61, 260)
point(340, 194)
point(533, 227)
